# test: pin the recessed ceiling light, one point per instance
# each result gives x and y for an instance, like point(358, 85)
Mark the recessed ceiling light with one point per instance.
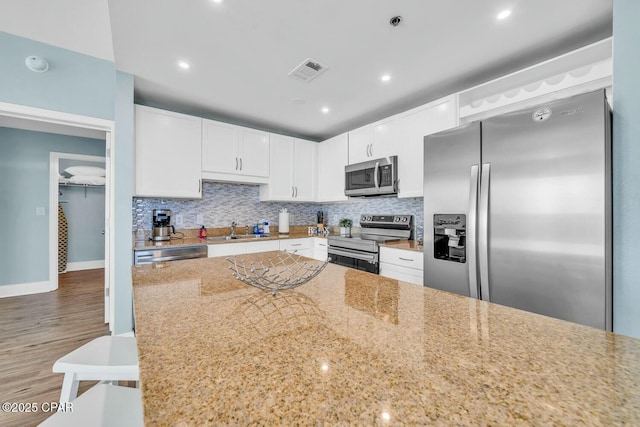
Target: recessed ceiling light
point(385, 77)
point(504, 14)
point(184, 65)
point(217, 1)
point(325, 110)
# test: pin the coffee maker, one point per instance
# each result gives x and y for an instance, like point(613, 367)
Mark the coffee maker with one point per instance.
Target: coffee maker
point(162, 228)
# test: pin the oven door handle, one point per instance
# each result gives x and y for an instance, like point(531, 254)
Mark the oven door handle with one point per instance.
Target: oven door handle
point(356, 255)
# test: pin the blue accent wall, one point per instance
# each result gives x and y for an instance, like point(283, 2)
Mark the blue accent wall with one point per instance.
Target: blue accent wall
point(24, 186)
point(87, 86)
point(626, 172)
point(75, 83)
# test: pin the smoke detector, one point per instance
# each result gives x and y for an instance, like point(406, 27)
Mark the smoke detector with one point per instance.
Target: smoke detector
point(308, 70)
point(37, 64)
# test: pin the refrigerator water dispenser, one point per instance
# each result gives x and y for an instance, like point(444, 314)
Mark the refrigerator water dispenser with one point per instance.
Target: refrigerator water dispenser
point(449, 237)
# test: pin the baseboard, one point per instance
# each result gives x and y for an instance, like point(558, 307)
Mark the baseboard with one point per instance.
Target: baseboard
point(84, 265)
point(25, 289)
point(126, 334)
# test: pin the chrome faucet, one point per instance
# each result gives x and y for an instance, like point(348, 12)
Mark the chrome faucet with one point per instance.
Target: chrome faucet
point(233, 229)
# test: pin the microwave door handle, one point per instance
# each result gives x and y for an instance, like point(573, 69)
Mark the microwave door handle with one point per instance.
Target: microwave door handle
point(375, 176)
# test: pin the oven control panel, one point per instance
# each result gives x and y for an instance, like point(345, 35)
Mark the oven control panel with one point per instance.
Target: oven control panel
point(383, 221)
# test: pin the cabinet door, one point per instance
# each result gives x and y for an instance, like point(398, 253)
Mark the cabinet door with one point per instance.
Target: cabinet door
point(412, 128)
point(220, 147)
point(304, 165)
point(264, 246)
point(226, 249)
point(332, 157)
point(320, 249)
point(254, 153)
point(168, 151)
point(281, 177)
point(360, 141)
point(384, 139)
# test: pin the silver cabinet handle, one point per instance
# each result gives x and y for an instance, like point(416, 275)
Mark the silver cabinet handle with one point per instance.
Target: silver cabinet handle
point(291, 191)
point(371, 150)
point(236, 163)
point(296, 191)
point(240, 163)
point(483, 231)
point(322, 244)
point(199, 186)
point(406, 259)
point(471, 232)
point(296, 244)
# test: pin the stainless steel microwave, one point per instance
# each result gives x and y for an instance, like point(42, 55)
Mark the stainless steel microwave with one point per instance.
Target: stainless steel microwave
point(372, 178)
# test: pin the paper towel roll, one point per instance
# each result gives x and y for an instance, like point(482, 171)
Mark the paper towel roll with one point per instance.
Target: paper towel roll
point(283, 222)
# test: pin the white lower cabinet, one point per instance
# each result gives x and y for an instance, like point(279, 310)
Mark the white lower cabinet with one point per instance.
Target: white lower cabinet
point(302, 246)
point(227, 249)
point(402, 265)
point(320, 247)
point(263, 246)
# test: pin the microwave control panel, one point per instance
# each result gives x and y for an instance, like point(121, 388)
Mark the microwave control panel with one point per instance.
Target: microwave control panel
point(386, 175)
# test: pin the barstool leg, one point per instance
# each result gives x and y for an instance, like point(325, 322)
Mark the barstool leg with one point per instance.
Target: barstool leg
point(69, 388)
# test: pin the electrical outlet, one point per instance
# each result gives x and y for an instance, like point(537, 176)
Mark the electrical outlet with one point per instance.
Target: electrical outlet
point(200, 219)
point(291, 220)
point(335, 219)
point(179, 219)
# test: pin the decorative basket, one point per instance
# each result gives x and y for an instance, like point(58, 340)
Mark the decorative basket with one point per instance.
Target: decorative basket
point(290, 271)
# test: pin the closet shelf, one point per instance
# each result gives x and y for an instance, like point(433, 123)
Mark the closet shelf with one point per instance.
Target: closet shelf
point(69, 184)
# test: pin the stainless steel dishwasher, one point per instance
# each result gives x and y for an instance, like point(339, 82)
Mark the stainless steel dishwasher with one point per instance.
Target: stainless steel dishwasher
point(161, 254)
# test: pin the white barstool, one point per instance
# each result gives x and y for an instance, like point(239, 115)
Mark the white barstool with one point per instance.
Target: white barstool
point(102, 405)
point(105, 358)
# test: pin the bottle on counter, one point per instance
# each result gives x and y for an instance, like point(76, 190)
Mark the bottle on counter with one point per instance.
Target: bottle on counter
point(202, 233)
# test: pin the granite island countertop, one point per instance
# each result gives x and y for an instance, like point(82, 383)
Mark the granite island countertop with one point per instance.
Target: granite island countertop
point(350, 347)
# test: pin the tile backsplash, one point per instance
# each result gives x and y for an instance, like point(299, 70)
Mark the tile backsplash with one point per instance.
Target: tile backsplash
point(223, 203)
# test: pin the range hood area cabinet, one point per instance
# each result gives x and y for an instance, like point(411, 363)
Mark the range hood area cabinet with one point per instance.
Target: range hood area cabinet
point(293, 173)
point(234, 153)
point(373, 141)
point(163, 169)
point(410, 128)
point(333, 156)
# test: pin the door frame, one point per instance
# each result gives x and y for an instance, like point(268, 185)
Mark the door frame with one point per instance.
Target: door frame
point(51, 117)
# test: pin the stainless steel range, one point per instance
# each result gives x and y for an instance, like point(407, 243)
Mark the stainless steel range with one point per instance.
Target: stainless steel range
point(360, 251)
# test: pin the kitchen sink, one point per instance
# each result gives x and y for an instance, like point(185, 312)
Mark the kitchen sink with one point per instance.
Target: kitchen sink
point(239, 237)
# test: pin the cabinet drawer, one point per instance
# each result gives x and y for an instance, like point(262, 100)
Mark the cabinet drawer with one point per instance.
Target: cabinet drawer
point(295, 244)
point(410, 259)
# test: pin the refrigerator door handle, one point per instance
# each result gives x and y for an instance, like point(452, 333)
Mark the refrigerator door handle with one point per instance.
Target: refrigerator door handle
point(483, 231)
point(471, 233)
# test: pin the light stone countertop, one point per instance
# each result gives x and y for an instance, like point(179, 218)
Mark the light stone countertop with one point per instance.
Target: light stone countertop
point(352, 348)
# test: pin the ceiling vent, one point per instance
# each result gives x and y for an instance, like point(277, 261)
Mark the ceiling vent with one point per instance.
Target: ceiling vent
point(308, 70)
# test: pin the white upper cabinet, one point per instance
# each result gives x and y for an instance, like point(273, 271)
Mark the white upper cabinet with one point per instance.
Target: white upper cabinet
point(373, 141)
point(333, 156)
point(412, 127)
point(168, 151)
point(234, 153)
point(360, 142)
point(293, 170)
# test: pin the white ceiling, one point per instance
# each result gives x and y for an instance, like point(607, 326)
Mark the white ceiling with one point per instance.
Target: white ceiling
point(240, 51)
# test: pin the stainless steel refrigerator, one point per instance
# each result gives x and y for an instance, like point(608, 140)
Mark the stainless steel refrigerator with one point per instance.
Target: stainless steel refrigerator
point(517, 210)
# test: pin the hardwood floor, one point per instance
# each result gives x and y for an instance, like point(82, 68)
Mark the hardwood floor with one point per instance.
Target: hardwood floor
point(36, 330)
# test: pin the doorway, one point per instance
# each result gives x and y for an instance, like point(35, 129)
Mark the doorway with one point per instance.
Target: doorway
point(35, 119)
